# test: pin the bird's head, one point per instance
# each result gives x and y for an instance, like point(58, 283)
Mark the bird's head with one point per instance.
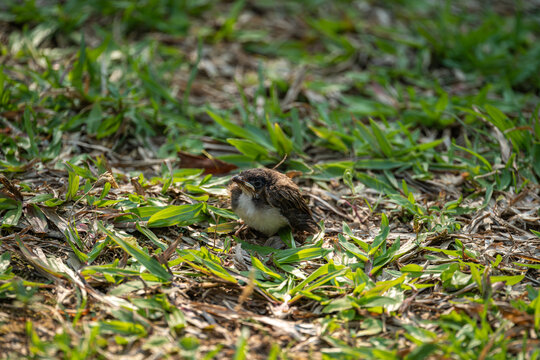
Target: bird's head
point(252, 182)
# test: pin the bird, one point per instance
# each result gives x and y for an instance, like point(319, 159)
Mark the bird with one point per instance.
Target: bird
point(267, 200)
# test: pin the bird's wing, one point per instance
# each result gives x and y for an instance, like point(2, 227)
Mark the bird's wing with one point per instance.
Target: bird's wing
point(291, 205)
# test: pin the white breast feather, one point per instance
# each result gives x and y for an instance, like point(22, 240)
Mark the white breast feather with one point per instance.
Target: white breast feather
point(268, 220)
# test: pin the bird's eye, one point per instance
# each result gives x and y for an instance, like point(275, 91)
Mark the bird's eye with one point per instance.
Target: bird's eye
point(257, 183)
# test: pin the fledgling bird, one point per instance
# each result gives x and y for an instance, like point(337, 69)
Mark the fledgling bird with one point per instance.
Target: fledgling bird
point(268, 200)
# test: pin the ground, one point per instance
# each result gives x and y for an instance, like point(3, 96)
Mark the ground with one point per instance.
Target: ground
point(411, 128)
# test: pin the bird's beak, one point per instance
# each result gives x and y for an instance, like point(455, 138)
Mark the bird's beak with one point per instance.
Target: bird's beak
point(244, 185)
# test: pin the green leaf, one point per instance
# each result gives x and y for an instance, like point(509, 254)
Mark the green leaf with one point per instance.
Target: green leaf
point(110, 270)
point(225, 213)
point(285, 144)
point(145, 212)
point(96, 250)
point(249, 148)
point(380, 164)
point(376, 301)
point(352, 248)
point(488, 195)
point(29, 127)
point(271, 133)
point(143, 258)
point(339, 304)
point(332, 137)
point(219, 271)
point(422, 351)
point(441, 104)
point(122, 328)
point(411, 268)
point(508, 279)
point(375, 183)
point(227, 28)
point(381, 237)
point(500, 120)
point(240, 131)
point(12, 217)
point(153, 86)
point(531, 266)
point(109, 126)
point(382, 141)
point(341, 271)
point(5, 267)
point(314, 275)
point(73, 239)
point(241, 345)
point(94, 118)
point(300, 254)
point(181, 215)
point(7, 203)
point(175, 320)
point(106, 188)
point(386, 257)
point(81, 171)
point(40, 198)
point(420, 148)
point(151, 236)
point(347, 230)
point(348, 180)
point(73, 185)
point(266, 270)
point(478, 156)
point(76, 75)
point(536, 158)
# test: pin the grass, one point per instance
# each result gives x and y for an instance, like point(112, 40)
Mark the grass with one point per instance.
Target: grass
point(414, 132)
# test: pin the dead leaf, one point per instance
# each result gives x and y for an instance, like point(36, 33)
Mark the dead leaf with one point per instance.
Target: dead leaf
point(12, 189)
point(293, 173)
point(210, 166)
point(138, 187)
point(36, 219)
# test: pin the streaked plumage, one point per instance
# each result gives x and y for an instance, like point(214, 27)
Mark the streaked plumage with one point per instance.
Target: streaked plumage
point(268, 200)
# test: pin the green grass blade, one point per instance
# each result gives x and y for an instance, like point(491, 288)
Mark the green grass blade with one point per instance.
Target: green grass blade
point(143, 258)
point(181, 215)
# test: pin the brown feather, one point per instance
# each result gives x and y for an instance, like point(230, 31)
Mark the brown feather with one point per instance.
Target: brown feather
point(276, 190)
point(289, 200)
